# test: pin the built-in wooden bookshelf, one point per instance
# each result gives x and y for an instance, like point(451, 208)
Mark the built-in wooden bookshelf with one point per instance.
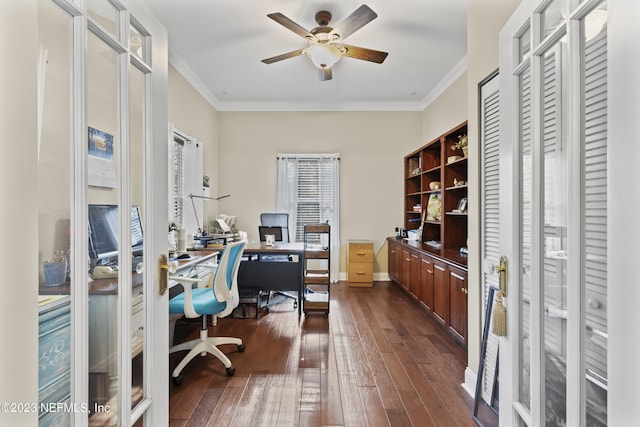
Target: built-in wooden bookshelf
point(435, 172)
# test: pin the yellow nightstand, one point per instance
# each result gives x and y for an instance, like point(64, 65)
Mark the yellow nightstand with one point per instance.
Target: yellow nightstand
point(360, 263)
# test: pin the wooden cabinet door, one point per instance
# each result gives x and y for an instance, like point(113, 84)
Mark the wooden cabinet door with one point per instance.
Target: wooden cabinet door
point(393, 273)
point(458, 304)
point(414, 279)
point(399, 262)
point(426, 282)
point(440, 293)
point(405, 272)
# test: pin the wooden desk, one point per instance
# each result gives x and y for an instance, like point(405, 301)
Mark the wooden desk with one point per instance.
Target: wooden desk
point(273, 268)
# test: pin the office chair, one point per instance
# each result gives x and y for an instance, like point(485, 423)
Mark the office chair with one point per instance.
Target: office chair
point(278, 219)
point(219, 301)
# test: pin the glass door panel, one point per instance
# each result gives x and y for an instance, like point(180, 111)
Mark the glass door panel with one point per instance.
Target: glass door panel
point(526, 213)
point(55, 200)
point(105, 14)
point(138, 303)
point(104, 213)
point(554, 234)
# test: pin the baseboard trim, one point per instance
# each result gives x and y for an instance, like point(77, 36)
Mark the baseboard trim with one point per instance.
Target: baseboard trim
point(469, 384)
point(377, 277)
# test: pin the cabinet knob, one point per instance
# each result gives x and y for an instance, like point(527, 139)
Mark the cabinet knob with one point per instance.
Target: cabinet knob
point(464, 291)
point(430, 271)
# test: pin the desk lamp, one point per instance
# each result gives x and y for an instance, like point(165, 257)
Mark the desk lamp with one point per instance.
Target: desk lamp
point(195, 212)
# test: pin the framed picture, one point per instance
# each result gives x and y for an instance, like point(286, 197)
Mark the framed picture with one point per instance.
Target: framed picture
point(462, 205)
point(434, 207)
point(100, 161)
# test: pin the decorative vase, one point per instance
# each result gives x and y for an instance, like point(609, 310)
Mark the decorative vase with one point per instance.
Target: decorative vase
point(465, 151)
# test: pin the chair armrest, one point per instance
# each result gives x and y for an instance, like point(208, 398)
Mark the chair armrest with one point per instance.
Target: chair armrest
point(209, 266)
point(222, 293)
point(186, 283)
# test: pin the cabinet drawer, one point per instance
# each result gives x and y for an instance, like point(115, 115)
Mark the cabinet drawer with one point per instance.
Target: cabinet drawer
point(360, 272)
point(58, 392)
point(360, 252)
point(54, 356)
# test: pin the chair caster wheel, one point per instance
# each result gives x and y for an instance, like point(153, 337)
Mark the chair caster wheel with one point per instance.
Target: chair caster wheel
point(241, 348)
point(231, 370)
point(177, 380)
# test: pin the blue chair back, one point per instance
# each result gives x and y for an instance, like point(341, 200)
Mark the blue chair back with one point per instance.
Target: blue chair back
point(225, 281)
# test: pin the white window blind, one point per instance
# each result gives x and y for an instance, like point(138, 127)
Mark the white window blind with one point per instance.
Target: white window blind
point(185, 177)
point(176, 179)
point(308, 187)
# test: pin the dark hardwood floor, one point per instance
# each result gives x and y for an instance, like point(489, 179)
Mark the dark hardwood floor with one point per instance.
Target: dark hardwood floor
point(378, 360)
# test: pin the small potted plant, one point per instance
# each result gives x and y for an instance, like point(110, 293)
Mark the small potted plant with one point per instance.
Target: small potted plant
point(463, 142)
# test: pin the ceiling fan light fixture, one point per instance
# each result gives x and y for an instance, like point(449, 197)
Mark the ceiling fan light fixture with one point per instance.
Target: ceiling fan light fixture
point(323, 55)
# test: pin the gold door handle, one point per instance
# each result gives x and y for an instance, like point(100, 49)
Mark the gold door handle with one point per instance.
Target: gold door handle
point(164, 268)
point(502, 269)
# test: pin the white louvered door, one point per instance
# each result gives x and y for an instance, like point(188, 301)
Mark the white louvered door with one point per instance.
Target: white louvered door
point(553, 213)
point(490, 213)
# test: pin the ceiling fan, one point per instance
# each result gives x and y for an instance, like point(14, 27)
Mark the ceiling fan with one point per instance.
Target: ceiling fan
point(325, 43)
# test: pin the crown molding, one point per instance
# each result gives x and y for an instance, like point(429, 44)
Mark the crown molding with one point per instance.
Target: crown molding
point(183, 68)
point(454, 74)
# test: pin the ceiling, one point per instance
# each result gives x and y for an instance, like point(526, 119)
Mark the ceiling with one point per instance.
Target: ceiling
point(218, 45)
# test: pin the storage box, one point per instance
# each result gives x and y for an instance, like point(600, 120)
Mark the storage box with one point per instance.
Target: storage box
point(55, 273)
point(413, 235)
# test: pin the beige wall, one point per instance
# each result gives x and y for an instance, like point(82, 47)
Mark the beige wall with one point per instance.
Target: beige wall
point(371, 147)
point(446, 112)
point(485, 19)
point(190, 113)
point(19, 212)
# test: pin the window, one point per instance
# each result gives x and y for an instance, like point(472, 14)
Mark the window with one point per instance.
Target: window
point(185, 178)
point(308, 187)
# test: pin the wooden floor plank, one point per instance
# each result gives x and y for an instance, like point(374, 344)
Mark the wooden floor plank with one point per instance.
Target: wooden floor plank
point(378, 360)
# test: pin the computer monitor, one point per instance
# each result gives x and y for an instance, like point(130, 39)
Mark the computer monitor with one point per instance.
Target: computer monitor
point(264, 231)
point(103, 232)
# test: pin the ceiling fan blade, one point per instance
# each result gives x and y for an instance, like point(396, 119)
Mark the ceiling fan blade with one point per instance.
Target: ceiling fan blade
point(352, 23)
point(288, 23)
point(283, 56)
point(363, 53)
point(325, 74)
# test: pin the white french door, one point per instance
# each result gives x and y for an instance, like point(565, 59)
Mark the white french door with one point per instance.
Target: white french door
point(554, 213)
point(102, 62)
